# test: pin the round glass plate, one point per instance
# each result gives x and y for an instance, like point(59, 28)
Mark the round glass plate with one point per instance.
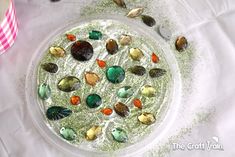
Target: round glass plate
point(163, 105)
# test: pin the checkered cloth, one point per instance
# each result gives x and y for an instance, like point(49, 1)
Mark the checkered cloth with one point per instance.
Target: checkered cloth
point(8, 29)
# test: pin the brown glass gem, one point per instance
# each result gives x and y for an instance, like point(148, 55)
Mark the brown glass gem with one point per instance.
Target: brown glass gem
point(82, 50)
point(121, 109)
point(112, 46)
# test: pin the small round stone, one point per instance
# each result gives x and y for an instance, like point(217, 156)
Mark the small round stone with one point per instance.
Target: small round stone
point(137, 103)
point(75, 100)
point(93, 100)
point(112, 46)
point(107, 111)
point(119, 135)
point(181, 43)
point(125, 40)
point(82, 50)
point(115, 74)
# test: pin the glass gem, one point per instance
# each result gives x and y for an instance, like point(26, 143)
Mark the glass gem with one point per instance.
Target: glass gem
point(135, 12)
point(93, 100)
point(147, 118)
point(69, 84)
point(121, 109)
point(44, 91)
point(125, 40)
point(155, 58)
point(148, 20)
point(75, 100)
point(137, 70)
point(50, 67)
point(107, 111)
point(57, 112)
point(125, 92)
point(101, 63)
point(95, 35)
point(137, 103)
point(115, 74)
point(91, 78)
point(157, 72)
point(57, 51)
point(148, 91)
point(120, 3)
point(112, 46)
point(93, 132)
point(68, 133)
point(82, 50)
point(181, 43)
point(71, 37)
point(119, 135)
point(164, 32)
point(136, 54)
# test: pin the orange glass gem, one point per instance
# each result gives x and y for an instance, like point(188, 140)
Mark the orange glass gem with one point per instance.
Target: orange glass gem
point(101, 63)
point(107, 111)
point(71, 37)
point(137, 103)
point(75, 100)
point(155, 58)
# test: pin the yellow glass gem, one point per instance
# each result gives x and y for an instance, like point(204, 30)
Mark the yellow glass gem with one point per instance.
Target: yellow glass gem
point(147, 118)
point(135, 12)
point(136, 54)
point(148, 91)
point(91, 78)
point(93, 132)
point(57, 51)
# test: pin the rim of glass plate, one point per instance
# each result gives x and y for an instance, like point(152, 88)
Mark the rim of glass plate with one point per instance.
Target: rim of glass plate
point(150, 140)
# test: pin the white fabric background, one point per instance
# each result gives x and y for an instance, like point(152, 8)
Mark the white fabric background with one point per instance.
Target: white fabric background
point(208, 22)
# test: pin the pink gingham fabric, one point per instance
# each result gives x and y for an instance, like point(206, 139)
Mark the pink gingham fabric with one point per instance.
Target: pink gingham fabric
point(8, 29)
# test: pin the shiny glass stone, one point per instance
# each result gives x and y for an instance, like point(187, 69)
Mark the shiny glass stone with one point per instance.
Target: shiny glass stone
point(101, 63)
point(115, 74)
point(112, 46)
point(91, 78)
point(68, 133)
point(120, 3)
point(71, 37)
point(181, 43)
point(95, 35)
point(136, 54)
point(69, 84)
point(137, 103)
point(135, 12)
point(155, 58)
point(44, 91)
point(93, 132)
point(82, 50)
point(121, 109)
point(107, 111)
point(75, 100)
point(125, 40)
point(57, 51)
point(164, 32)
point(57, 112)
point(148, 91)
point(137, 70)
point(157, 72)
point(119, 135)
point(50, 67)
point(125, 92)
point(148, 20)
point(147, 118)
point(93, 100)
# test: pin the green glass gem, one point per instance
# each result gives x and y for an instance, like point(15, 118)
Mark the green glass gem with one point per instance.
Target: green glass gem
point(115, 74)
point(68, 133)
point(57, 113)
point(119, 135)
point(95, 35)
point(44, 91)
point(125, 92)
point(93, 100)
point(68, 84)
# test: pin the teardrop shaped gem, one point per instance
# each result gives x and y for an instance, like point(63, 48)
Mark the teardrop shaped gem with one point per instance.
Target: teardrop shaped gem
point(181, 43)
point(101, 63)
point(137, 103)
point(120, 3)
point(125, 92)
point(148, 20)
point(136, 54)
point(115, 74)
point(135, 12)
point(71, 37)
point(75, 100)
point(121, 109)
point(91, 78)
point(69, 84)
point(68, 133)
point(95, 35)
point(82, 50)
point(57, 112)
point(119, 135)
point(57, 51)
point(50, 67)
point(44, 91)
point(157, 72)
point(93, 132)
point(93, 100)
point(125, 40)
point(107, 111)
point(137, 70)
point(148, 91)
point(112, 46)
point(155, 58)
point(147, 118)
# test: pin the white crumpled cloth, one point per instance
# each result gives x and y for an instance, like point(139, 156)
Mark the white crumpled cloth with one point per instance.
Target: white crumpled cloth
point(209, 23)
